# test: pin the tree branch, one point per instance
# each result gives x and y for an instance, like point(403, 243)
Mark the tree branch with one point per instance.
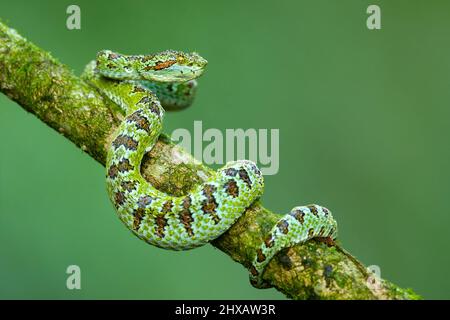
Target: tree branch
point(48, 89)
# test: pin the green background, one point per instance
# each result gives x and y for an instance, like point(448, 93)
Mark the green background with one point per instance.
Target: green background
point(364, 122)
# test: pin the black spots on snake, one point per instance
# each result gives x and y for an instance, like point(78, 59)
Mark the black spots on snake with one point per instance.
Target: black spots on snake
point(299, 215)
point(119, 198)
point(154, 108)
point(146, 100)
point(144, 201)
point(321, 232)
point(112, 171)
point(231, 188)
point(208, 192)
point(209, 205)
point(186, 215)
point(254, 282)
point(138, 89)
point(125, 141)
point(149, 102)
point(325, 211)
point(138, 214)
point(243, 174)
point(260, 257)
point(139, 120)
point(313, 210)
point(124, 165)
point(113, 56)
point(161, 223)
point(268, 241)
point(253, 271)
point(128, 185)
point(283, 226)
point(255, 169)
point(146, 58)
point(231, 172)
point(167, 206)
point(311, 232)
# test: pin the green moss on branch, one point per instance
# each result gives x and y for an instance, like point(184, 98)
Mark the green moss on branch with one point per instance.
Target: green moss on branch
point(48, 89)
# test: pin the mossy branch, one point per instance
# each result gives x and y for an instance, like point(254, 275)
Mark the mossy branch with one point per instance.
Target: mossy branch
point(48, 89)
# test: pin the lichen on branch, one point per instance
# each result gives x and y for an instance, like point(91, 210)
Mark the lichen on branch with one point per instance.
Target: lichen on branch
point(48, 89)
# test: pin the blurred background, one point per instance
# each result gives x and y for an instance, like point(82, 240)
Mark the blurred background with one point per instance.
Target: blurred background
point(363, 117)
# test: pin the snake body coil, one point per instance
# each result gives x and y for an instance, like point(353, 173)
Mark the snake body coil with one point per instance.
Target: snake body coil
point(139, 84)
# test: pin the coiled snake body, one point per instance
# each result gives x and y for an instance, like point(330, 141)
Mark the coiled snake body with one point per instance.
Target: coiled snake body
point(139, 84)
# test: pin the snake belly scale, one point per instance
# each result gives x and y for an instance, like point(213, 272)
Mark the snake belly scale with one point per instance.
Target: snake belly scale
point(141, 85)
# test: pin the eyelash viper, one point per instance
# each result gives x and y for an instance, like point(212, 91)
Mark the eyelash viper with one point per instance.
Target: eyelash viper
point(140, 85)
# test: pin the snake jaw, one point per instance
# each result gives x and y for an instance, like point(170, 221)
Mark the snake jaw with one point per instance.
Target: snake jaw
point(173, 73)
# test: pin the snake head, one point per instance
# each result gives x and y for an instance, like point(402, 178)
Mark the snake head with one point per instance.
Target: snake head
point(169, 66)
point(166, 66)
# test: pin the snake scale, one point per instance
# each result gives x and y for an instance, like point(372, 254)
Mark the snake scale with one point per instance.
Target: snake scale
point(140, 85)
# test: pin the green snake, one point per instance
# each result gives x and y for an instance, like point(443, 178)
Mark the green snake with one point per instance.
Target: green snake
point(140, 85)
